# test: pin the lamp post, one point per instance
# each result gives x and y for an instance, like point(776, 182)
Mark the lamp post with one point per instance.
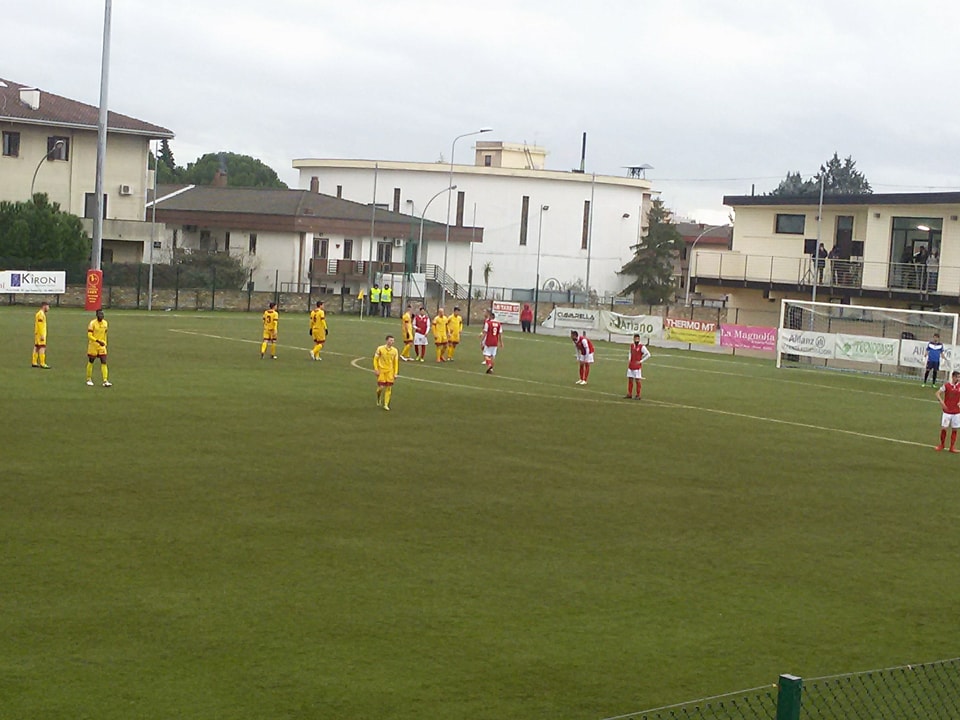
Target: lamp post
point(420, 252)
point(57, 144)
point(536, 290)
point(690, 258)
point(446, 237)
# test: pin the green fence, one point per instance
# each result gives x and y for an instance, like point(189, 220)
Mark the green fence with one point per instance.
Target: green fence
point(926, 691)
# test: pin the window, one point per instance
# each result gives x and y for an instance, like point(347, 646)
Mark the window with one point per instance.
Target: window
point(252, 246)
point(487, 160)
point(790, 224)
point(347, 249)
point(205, 240)
point(320, 248)
point(524, 212)
point(585, 234)
point(384, 252)
point(11, 144)
point(58, 148)
point(226, 242)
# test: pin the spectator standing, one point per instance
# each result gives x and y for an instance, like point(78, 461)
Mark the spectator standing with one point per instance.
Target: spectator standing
point(526, 318)
point(386, 300)
point(375, 300)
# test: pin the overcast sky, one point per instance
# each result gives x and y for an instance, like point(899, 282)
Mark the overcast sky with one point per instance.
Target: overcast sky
point(716, 95)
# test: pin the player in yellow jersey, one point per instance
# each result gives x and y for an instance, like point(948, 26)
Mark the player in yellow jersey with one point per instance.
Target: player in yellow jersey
point(454, 328)
point(97, 348)
point(39, 359)
point(271, 319)
point(406, 325)
point(318, 330)
point(440, 334)
point(386, 363)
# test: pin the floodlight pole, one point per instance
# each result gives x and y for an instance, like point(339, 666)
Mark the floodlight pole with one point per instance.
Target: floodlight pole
point(96, 250)
point(816, 250)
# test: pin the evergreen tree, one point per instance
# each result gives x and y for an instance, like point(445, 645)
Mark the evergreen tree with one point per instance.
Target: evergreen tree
point(168, 170)
point(37, 231)
point(242, 171)
point(840, 177)
point(652, 262)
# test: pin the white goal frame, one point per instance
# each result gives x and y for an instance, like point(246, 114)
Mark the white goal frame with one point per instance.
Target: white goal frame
point(863, 338)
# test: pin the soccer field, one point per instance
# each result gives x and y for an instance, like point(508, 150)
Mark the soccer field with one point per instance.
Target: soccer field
point(219, 536)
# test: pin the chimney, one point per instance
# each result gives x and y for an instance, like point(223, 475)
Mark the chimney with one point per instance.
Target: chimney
point(220, 179)
point(30, 97)
point(315, 184)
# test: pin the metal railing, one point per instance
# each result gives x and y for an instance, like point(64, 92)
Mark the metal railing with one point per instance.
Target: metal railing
point(844, 274)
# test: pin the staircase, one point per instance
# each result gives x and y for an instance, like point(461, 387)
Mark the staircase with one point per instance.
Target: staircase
point(450, 286)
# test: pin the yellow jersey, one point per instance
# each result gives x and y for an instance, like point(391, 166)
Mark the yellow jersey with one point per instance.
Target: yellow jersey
point(318, 320)
point(271, 319)
point(440, 328)
point(97, 337)
point(406, 325)
point(40, 326)
point(454, 328)
point(386, 362)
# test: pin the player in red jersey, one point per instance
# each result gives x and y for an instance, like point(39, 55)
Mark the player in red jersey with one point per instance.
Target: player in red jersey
point(638, 353)
point(584, 355)
point(949, 397)
point(421, 326)
point(491, 340)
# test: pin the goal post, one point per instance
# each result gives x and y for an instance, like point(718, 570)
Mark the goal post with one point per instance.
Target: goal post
point(888, 341)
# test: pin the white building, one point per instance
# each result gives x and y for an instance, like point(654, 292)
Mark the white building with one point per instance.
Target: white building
point(530, 216)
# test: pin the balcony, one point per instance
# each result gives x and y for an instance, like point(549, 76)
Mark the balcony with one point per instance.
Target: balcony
point(326, 269)
point(842, 277)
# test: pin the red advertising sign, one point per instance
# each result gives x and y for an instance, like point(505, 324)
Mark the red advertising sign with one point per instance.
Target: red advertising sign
point(94, 294)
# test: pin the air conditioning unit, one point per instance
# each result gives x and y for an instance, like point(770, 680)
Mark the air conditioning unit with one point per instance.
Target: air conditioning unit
point(398, 242)
point(125, 190)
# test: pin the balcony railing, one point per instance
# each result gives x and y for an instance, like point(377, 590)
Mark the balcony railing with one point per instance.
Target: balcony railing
point(853, 274)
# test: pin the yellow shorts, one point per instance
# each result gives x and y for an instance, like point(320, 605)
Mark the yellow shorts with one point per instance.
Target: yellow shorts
point(319, 336)
point(439, 339)
point(270, 335)
point(40, 340)
point(386, 378)
point(96, 350)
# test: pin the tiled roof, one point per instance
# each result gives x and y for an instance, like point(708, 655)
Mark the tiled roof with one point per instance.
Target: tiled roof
point(59, 111)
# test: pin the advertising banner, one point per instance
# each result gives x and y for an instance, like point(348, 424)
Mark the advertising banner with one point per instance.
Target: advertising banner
point(799, 342)
point(646, 326)
point(93, 298)
point(573, 319)
point(697, 332)
point(864, 348)
point(507, 313)
point(912, 354)
point(748, 337)
point(44, 282)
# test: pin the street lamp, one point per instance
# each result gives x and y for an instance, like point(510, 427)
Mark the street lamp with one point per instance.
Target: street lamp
point(690, 257)
point(536, 290)
point(421, 255)
point(51, 151)
point(446, 237)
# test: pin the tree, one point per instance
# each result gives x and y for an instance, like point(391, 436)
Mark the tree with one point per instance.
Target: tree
point(652, 262)
point(168, 171)
point(487, 272)
point(37, 231)
point(242, 171)
point(840, 177)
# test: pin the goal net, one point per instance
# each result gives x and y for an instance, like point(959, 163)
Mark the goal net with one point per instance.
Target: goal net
point(861, 338)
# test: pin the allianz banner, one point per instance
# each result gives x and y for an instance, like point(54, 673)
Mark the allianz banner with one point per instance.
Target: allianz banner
point(864, 348)
point(912, 354)
point(44, 282)
point(798, 342)
point(646, 326)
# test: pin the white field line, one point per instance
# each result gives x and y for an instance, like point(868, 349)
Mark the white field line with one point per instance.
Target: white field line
point(605, 398)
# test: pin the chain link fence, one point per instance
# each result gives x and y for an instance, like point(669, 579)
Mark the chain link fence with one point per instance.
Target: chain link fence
point(924, 691)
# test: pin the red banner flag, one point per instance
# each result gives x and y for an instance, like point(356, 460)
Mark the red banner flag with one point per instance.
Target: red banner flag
point(94, 294)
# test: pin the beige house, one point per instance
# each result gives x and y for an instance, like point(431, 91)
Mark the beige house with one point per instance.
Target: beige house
point(50, 146)
point(896, 249)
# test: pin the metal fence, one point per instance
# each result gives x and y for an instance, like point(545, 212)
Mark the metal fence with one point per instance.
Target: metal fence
point(925, 691)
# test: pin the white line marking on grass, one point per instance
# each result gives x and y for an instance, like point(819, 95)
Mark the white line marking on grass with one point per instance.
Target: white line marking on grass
point(581, 398)
point(251, 342)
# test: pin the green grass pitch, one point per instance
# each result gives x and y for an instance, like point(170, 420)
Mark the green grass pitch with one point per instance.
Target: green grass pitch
point(219, 536)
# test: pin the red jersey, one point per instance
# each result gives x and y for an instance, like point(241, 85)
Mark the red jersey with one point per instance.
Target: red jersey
point(584, 346)
point(951, 398)
point(421, 323)
point(526, 315)
point(638, 353)
point(491, 333)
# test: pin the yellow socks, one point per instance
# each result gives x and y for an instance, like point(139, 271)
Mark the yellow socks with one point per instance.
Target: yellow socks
point(387, 392)
point(263, 347)
point(42, 355)
point(103, 371)
point(89, 370)
point(34, 358)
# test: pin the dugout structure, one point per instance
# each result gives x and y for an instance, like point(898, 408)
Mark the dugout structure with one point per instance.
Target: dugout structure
point(861, 338)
